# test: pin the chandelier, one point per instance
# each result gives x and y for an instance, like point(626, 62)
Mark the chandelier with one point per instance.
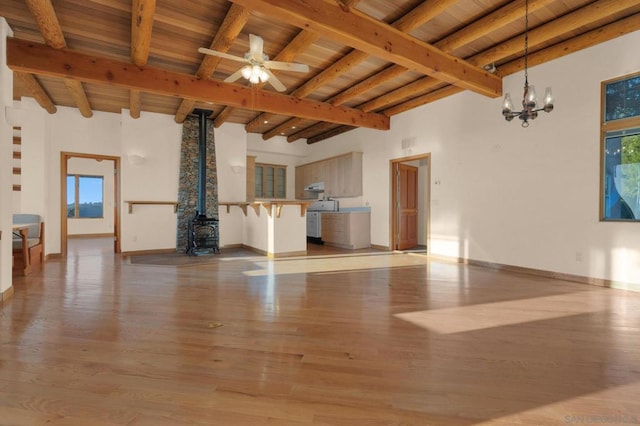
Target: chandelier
point(530, 107)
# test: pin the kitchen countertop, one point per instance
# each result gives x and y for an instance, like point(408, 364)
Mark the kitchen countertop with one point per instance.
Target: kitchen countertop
point(351, 210)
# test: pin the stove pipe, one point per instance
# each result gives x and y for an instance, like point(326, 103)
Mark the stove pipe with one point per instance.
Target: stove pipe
point(202, 162)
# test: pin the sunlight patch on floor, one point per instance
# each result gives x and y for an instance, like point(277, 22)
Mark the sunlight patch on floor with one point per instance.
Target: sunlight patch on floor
point(498, 314)
point(325, 264)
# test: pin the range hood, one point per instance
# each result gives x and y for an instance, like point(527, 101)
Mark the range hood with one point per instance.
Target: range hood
point(315, 187)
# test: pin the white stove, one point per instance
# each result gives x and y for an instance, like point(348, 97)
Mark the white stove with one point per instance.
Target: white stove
point(314, 220)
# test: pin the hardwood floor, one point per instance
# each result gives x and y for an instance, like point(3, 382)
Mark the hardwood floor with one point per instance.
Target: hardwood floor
point(373, 338)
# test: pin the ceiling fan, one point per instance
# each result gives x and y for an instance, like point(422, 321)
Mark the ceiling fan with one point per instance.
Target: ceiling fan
point(258, 66)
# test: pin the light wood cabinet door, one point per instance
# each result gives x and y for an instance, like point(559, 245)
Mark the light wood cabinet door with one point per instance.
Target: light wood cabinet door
point(300, 184)
point(347, 230)
point(344, 175)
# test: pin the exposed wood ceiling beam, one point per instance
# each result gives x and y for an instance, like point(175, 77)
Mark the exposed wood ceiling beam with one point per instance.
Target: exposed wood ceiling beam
point(410, 21)
point(35, 58)
point(581, 17)
point(505, 15)
point(331, 133)
point(495, 20)
point(234, 21)
point(47, 21)
point(584, 16)
point(299, 44)
point(600, 35)
point(36, 90)
point(142, 12)
point(315, 82)
point(376, 38)
point(624, 26)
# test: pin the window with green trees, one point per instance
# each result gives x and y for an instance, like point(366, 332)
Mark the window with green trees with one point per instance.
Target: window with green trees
point(620, 178)
point(85, 196)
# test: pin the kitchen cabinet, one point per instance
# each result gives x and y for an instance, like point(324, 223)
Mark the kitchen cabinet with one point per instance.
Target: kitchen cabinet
point(349, 230)
point(342, 176)
point(300, 184)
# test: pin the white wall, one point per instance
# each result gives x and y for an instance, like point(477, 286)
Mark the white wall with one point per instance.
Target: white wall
point(150, 172)
point(525, 197)
point(104, 169)
point(278, 151)
point(6, 142)
point(231, 166)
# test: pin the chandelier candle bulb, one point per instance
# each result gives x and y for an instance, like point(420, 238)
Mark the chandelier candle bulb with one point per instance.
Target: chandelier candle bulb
point(531, 97)
point(548, 100)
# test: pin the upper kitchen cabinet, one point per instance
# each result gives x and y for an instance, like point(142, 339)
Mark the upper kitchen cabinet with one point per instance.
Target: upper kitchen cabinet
point(343, 176)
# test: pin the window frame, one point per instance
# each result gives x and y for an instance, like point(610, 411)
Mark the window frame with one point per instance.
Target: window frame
point(608, 127)
point(275, 180)
point(76, 196)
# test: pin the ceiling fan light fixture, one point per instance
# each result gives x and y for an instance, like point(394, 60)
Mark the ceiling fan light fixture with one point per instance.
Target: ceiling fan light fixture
point(246, 72)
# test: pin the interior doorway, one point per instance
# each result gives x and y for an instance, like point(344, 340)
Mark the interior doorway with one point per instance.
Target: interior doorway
point(410, 206)
point(64, 202)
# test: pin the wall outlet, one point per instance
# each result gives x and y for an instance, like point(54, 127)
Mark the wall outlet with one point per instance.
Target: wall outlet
point(579, 256)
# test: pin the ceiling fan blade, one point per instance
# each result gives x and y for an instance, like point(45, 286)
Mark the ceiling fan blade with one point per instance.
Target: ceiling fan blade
point(233, 77)
point(286, 66)
point(273, 80)
point(255, 47)
point(221, 54)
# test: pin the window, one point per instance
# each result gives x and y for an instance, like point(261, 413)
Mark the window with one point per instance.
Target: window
point(271, 181)
point(620, 176)
point(85, 196)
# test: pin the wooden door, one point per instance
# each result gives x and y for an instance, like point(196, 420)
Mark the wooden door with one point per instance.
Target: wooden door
point(407, 207)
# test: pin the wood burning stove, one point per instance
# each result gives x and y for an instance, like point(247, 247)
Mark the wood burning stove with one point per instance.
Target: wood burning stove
point(202, 235)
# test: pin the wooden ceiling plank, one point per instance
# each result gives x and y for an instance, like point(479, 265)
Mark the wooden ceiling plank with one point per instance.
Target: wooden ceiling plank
point(591, 38)
point(486, 25)
point(586, 15)
point(376, 38)
point(409, 90)
point(467, 34)
point(410, 21)
point(283, 128)
point(540, 35)
point(422, 14)
point(47, 21)
point(311, 131)
point(24, 56)
point(51, 31)
point(424, 99)
point(299, 44)
point(234, 21)
point(364, 86)
point(35, 89)
point(331, 133)
point(142, 13)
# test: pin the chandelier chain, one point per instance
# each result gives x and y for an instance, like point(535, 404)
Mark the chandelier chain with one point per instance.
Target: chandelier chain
point(526, 43)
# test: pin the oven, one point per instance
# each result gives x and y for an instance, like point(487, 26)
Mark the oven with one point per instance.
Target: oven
point(314, 217)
